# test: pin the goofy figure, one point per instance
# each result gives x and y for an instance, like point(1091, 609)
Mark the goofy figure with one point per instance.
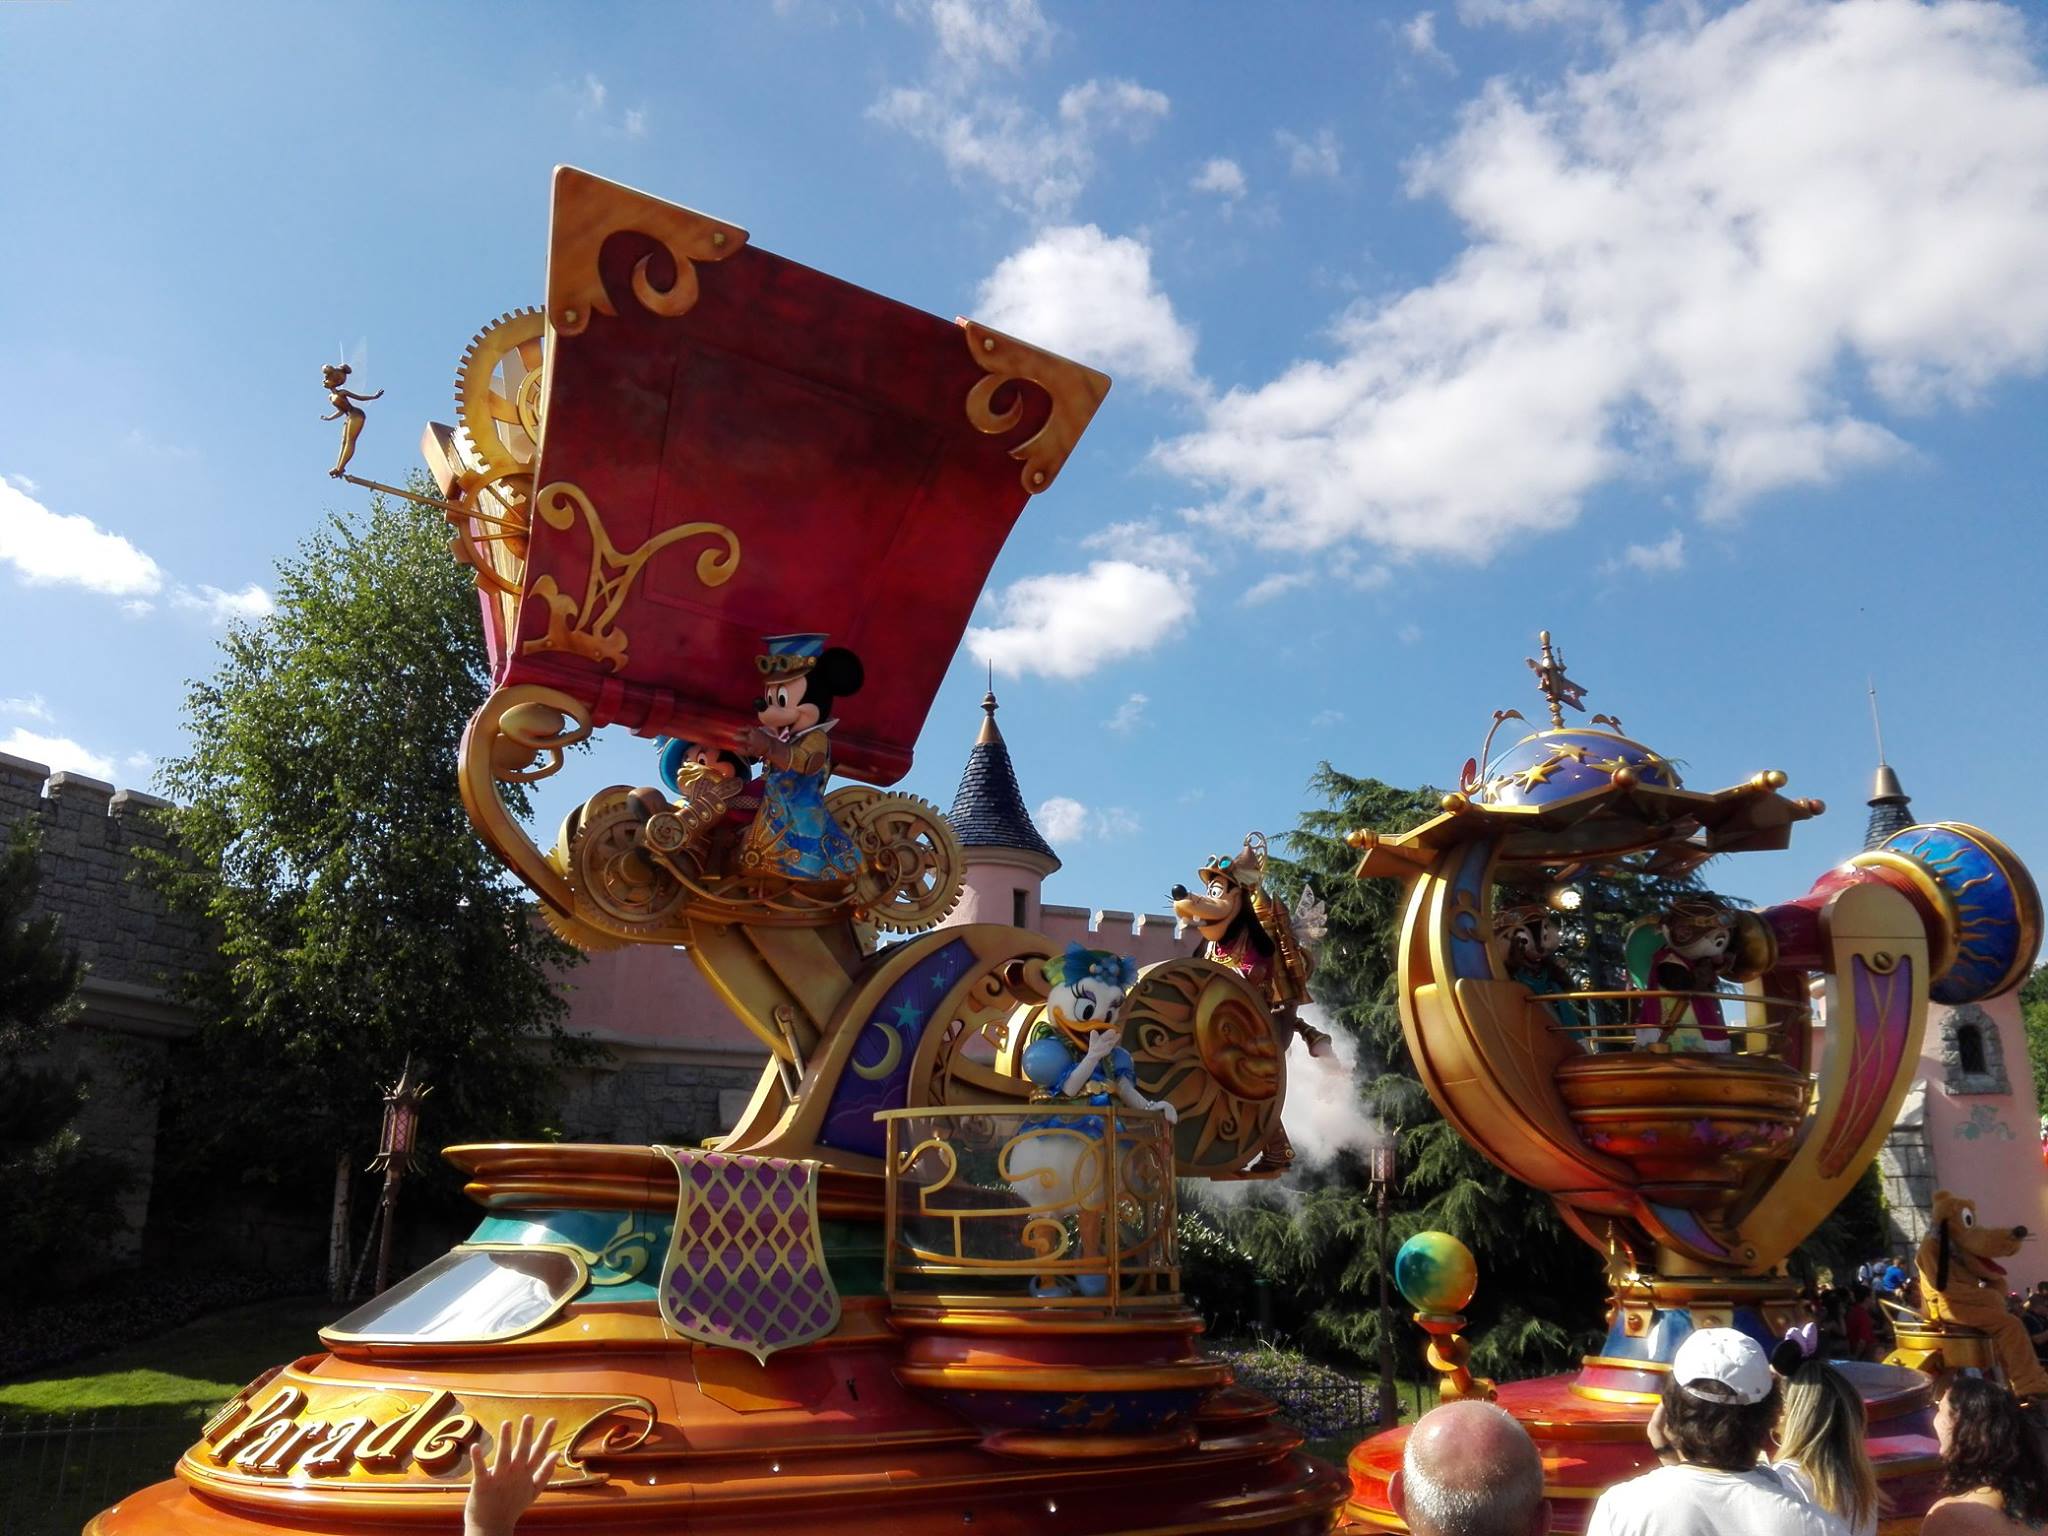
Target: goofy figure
point(1247, 929)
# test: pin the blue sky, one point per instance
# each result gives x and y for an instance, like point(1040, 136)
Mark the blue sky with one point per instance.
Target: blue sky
point(1709, 337)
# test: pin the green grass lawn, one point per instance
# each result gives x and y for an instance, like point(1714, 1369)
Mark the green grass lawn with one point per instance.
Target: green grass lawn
point(197, 1366)
point(75, 1439)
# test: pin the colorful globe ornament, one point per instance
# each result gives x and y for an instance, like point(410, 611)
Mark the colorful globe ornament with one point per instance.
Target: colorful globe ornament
point(1436, 1272)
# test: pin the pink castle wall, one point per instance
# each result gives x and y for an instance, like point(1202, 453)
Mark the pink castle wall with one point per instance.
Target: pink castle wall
point(1987, 1146)
point(1984, 1146)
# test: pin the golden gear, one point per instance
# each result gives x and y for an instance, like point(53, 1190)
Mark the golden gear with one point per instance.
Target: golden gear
point(619, 890)
point(911, 863)
point(498, 394)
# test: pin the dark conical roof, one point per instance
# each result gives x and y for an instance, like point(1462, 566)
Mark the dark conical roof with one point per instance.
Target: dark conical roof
point(988, 809)
point(1888, 807)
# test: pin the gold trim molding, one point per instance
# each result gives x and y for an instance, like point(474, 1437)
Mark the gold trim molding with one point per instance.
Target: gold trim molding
point(588, 210)
point(1076, 392)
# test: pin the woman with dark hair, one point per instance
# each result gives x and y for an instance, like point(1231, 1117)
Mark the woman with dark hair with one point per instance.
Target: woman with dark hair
point(1994, 1468)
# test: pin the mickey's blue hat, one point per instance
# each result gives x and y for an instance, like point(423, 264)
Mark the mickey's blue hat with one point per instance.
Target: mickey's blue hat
point(790, 655)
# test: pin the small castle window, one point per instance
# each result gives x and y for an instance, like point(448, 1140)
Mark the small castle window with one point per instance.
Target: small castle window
point(1970, 1050)
point(1020, 908)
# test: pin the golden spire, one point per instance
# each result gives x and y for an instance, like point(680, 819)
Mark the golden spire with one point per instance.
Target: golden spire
point(1557, 689)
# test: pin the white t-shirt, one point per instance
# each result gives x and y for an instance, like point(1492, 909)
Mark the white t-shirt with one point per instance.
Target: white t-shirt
point(1698, 1501)
point(1796, 1478)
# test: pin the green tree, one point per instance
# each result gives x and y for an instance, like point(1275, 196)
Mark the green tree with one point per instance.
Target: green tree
point(52, 1186)
point(2034, 1014)
point(319, 829)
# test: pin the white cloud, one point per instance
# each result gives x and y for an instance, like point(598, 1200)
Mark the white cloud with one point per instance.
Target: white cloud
point(24, 482)
point(249, 604)
point(1716, 251)
point(1062, 820)
point(974, 34)
point(1324, 719)
point(1072, 624)
point(592, 93)
point(1129, 715)
point(1605, 18)
point(30, 708)
point(1122, 105)
point(1092, 297)
point(989, 138)
point(139, 763)
point(1066, 820)
point(1667, 554)
point(1320, 156)
point(1279, 584)
point(60, 754)
point(1410, 634)
point(1223, 177)
point(49, 548)
point(1037, 166)
point(1419, 33)
point(635, 125)
point(138, 608)
point(1143, 542)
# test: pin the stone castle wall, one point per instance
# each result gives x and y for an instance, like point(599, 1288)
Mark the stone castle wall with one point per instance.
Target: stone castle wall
point(132, 947)
point(676, 1067)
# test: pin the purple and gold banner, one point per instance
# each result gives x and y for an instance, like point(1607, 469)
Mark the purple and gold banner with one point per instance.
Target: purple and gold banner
point(745, 1269)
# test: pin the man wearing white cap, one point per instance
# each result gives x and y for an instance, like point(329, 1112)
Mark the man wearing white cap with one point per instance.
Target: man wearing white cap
point(1718, 1410)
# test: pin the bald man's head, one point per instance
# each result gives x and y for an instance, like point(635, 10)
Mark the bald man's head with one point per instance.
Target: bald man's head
point(1471, 1470)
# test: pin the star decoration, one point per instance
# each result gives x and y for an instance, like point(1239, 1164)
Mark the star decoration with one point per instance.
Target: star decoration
point(1533, 776)
point(1613, 765)
point(907, 1016)
point(1103, 1418)
point(1074, 1407)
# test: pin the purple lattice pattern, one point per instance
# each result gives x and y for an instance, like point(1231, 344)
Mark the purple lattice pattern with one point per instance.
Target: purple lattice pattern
point(745, 1269)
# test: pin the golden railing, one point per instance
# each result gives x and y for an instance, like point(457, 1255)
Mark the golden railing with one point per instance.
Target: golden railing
point(1054, 1204)
point(1747, 1036)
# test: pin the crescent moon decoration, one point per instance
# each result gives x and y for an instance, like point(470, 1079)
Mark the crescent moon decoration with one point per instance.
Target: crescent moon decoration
point(891, 1053)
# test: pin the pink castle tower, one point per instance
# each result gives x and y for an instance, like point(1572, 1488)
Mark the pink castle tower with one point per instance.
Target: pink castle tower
point(1008, 860)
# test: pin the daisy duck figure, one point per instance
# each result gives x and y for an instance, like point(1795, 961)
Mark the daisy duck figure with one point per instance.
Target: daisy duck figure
point(1688, 947)
point(794, 835)
point(1076, 1056)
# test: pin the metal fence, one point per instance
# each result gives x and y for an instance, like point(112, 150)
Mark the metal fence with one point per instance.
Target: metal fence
point(59, 1470)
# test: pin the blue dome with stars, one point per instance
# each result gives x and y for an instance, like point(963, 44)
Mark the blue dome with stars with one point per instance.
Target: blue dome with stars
point(1557, 764)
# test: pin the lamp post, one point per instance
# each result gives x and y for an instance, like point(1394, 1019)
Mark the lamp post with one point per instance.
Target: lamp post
point(1384, 1170)
point(396, 1140)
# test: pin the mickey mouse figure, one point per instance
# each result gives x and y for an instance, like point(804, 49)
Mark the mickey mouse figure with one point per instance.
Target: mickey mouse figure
point(794, 835)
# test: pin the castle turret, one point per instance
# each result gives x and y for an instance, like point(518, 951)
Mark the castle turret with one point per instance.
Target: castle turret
point(1888, 798)
point(1888, 807)
point(1007, 857)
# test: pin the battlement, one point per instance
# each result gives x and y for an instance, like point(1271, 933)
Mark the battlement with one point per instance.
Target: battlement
point(90, 832)
point(1146, 936)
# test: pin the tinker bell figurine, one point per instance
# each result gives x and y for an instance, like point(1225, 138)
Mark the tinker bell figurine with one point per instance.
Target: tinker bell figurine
point(332, 377)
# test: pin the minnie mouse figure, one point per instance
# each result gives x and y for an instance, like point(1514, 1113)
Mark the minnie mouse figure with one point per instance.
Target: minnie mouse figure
point(794, 835)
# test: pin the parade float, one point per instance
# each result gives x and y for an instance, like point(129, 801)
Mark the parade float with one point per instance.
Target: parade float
point(929, 1281)
point(1688, 1119)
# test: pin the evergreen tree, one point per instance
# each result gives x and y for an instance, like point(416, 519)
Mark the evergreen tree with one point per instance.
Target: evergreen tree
point(52, 1186)
point(2034, 1015)
point(320, 830)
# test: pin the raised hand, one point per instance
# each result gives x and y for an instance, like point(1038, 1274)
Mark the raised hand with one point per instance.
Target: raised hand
point(500, 1490)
